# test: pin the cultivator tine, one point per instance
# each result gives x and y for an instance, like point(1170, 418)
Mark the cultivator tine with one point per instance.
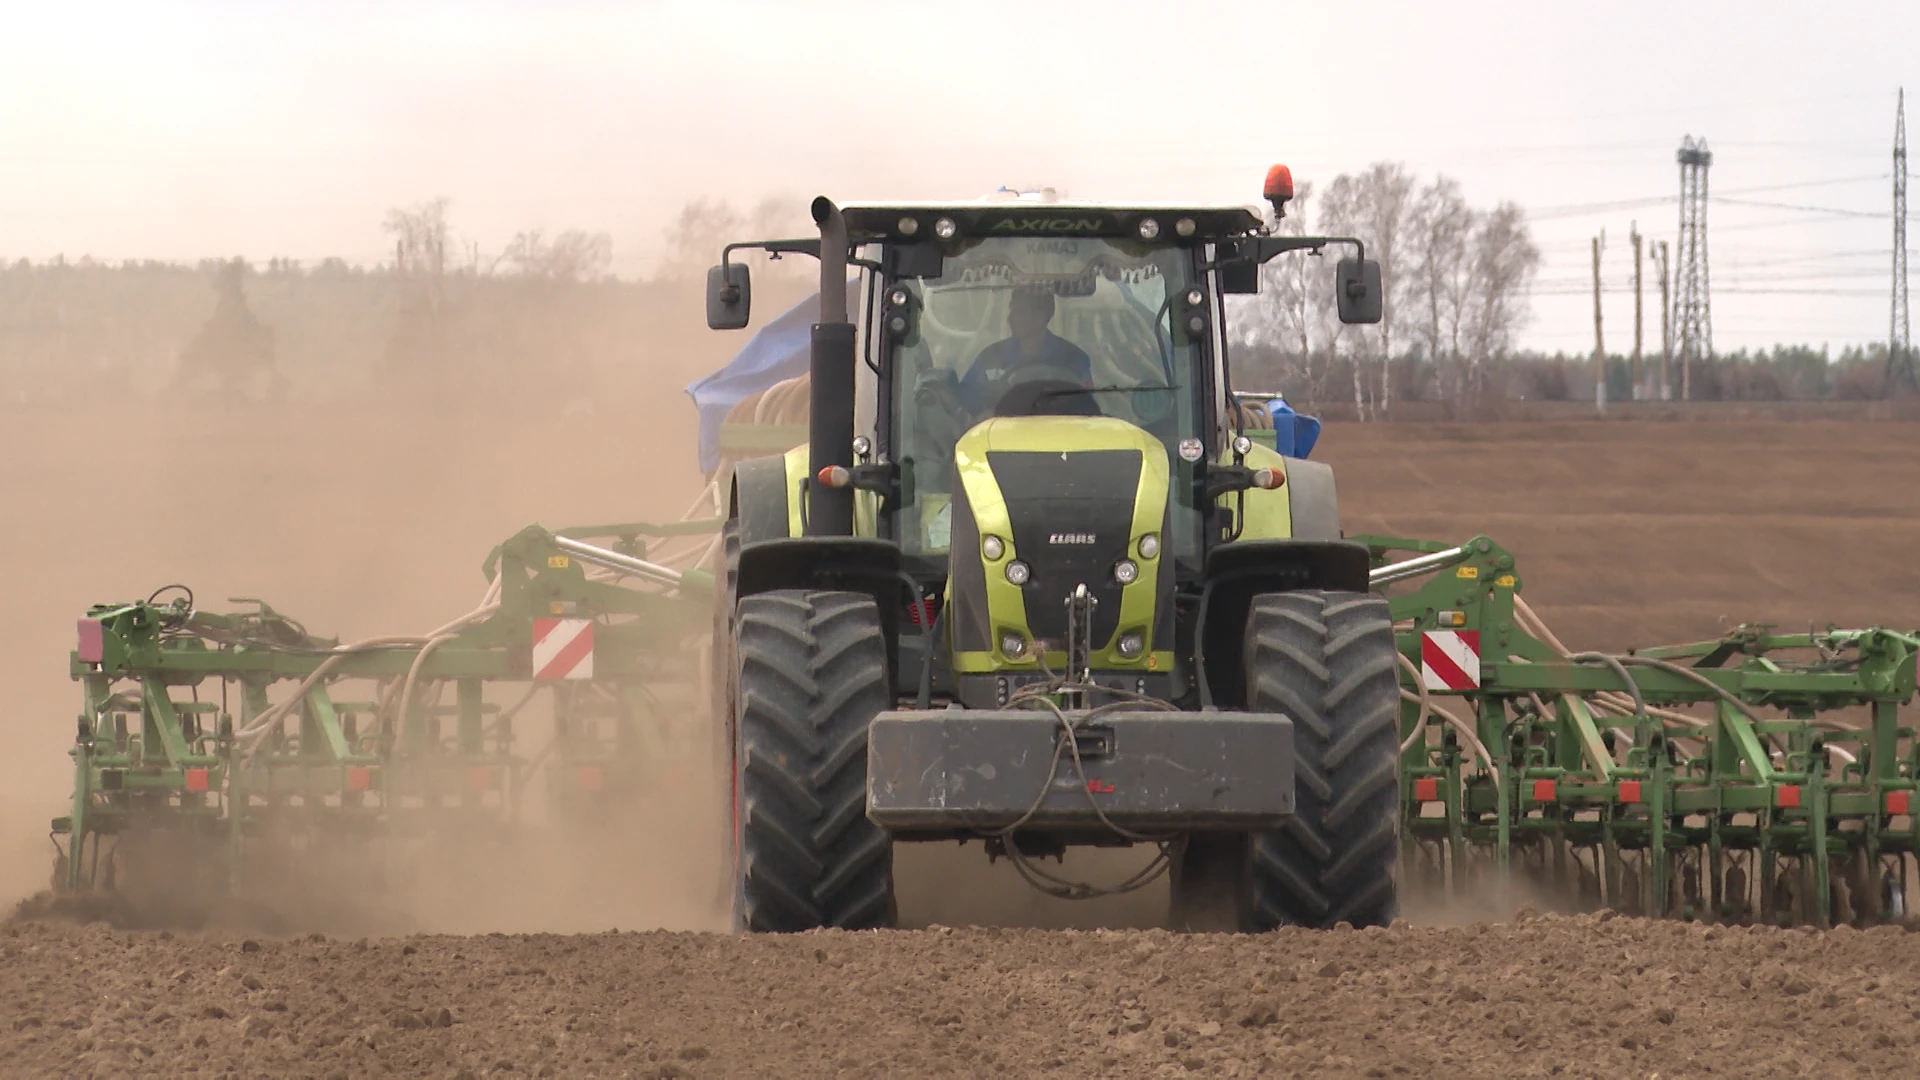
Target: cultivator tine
point(1705, 781)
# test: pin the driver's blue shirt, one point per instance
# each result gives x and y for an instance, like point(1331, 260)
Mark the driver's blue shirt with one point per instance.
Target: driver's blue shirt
point(989, 376)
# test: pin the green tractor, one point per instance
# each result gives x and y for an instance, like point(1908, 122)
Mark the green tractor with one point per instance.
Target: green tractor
point(1031, 582)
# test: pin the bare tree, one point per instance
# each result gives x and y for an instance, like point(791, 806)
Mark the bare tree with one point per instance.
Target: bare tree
point(419, 238)
point(705, 226)
point(697, 234)
point(573, 255)
point(1504, 263)
point(1437, 268)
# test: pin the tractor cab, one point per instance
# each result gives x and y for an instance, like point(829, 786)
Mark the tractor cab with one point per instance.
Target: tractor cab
point(1015, 307)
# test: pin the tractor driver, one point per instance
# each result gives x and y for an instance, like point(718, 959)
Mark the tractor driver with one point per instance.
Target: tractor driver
point(1032, 353)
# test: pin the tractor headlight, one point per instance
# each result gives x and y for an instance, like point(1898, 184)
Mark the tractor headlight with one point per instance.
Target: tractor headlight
point(945, 228)
point(1018, 572)
point(1126, 571)
point(908, 226)
point(1132, 643)
point(1149, 228)
point(1150, 546)
point(1013, 645)
point(992, 547)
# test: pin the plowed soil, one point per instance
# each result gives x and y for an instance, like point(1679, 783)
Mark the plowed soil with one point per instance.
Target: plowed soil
point(1574, 997)
point(1625, 534)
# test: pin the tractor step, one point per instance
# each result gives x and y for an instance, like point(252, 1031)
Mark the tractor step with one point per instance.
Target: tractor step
point(984, 769)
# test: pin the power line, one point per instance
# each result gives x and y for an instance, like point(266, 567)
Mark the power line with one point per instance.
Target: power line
point(1580, 209)
point(1804, 184)
point(1799, 206)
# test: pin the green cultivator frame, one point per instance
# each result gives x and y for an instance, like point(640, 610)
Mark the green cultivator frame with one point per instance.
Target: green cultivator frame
point(1761, 776)
point(244, 742)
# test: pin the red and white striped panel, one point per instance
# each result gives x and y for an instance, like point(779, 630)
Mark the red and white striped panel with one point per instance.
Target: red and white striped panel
point(563, 648)
point(1450, 659)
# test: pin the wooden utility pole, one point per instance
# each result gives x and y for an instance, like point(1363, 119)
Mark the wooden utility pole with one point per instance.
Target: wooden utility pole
point(1666, 326)
point(1638, 384)
point(1599, 341)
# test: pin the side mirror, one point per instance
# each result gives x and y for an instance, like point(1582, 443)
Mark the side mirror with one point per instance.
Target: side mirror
point(730, 296)
point(1356, 284)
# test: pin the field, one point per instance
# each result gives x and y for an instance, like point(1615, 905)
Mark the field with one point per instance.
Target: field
point(376, 520)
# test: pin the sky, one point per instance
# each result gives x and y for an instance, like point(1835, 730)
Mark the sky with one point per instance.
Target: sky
point(285, 128)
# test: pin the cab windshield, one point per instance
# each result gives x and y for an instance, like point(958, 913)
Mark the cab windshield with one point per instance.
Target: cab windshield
point(1025, 326)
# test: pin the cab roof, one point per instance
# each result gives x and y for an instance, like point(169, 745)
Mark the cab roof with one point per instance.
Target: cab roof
point(911, 222)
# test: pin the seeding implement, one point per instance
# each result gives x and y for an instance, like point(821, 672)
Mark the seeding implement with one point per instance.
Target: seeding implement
point(225, 752)
point(1761, 776)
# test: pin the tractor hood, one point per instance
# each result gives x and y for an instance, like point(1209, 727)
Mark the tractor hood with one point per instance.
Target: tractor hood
point(1068, 499)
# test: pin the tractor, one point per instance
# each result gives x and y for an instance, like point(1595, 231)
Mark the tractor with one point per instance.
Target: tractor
point(1030, 581)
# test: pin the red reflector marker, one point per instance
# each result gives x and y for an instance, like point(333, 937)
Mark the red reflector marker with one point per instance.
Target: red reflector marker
point(196, 779)
point(1787, 796)
point(591, 778)
point(359, 778)
point(93, 641)
point(1545, 790)
point(835, 476)
point(479, 778)
point(1426, 789)
point(1629, 791)
point(1896, 802)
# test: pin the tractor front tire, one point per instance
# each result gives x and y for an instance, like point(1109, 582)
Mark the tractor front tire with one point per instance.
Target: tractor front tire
point(1327, 661)
point(812, 673)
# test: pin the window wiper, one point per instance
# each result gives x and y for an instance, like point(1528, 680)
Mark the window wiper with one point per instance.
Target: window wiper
point(1115, 390)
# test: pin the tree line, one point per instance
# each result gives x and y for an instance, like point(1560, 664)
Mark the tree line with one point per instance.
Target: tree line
point(439, 308)
point(1456, 280)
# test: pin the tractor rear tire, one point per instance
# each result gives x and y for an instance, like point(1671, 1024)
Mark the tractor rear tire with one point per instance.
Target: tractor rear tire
point(812, 673)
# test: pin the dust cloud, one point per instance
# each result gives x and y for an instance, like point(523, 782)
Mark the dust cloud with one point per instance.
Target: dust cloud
point(370, 514)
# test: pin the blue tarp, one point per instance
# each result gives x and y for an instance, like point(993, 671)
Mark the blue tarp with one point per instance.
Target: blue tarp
point(777, 353)
point(1293, 433)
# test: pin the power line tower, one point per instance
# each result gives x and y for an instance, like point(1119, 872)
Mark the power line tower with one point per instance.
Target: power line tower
point(1899, 344)
point(1692, 304)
